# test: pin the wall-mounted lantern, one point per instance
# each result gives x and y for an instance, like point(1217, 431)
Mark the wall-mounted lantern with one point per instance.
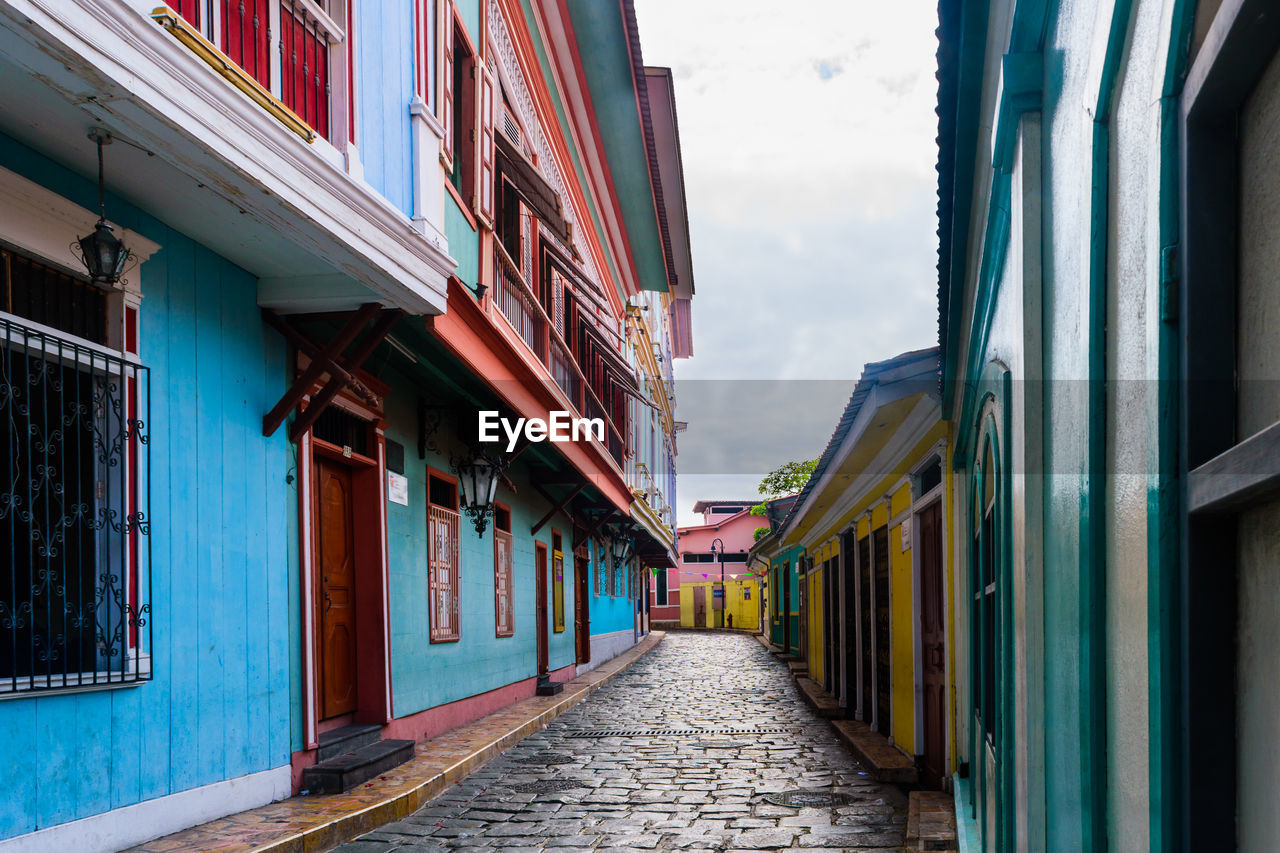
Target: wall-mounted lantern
point(102, 252)
point(478, 477)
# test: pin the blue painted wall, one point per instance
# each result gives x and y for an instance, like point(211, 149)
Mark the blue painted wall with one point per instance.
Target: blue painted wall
point(609, 614)
point(218, 706)
point(425, 674)
point(384, 88)
point(464, 242)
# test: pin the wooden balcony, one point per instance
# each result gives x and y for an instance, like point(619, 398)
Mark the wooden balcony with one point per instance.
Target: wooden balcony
point(525, 315)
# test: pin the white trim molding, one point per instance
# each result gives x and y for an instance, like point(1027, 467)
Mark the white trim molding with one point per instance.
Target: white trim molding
point(45, 224)
point(141, 822)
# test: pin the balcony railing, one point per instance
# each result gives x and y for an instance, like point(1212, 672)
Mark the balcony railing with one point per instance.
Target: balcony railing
point(522, 310)
point(75, 592)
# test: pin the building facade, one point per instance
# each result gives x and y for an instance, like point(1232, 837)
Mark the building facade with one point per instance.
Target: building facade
point(1105, 197)
point(875, 615)
point(253, 514)
point(695, 595)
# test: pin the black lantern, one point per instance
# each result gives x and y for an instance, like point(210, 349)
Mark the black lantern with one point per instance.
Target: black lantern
point(102, 252)
point(478, 482)
point(621, 546)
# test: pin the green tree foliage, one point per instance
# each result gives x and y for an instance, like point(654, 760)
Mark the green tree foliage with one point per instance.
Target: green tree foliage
point(786, 479)
point(760, 531)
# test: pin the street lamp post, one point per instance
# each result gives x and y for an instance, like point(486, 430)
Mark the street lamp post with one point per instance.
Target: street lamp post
point(720, 552)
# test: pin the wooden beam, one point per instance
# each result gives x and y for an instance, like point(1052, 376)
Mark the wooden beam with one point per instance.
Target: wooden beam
point(367, 345)
point(1245, 474)
point(319, 365)
point(557, 507)
point(299, 341)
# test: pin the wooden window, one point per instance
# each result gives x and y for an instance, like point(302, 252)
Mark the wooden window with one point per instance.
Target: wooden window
point(660, 587)
point(484, 200)
point(503, 562)
point(442, 558)
point(462, 137)
point(446, 108)
point(557, 582)
point(425, 78)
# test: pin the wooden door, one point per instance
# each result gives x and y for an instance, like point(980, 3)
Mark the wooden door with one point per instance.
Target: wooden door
point(336, 590)
point(786, 608)
point(933, 648)
point(880, 547)
point(581, 615)
point(540, 572)
point(700, 606)
point(849, 655)
point(864, 628)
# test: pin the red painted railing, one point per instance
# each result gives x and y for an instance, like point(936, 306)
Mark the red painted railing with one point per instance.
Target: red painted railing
point(304, 66)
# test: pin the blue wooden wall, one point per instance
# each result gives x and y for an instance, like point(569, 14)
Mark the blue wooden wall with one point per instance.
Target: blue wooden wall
point(384, 88)
point(218, 706)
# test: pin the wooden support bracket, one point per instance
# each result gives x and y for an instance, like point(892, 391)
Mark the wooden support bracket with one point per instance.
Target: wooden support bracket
point(556, 506)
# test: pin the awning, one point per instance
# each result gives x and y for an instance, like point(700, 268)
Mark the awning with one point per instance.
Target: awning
point(533, 188)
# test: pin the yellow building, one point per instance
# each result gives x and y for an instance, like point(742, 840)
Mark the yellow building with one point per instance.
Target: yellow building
point(876, 586)
point(742, 603)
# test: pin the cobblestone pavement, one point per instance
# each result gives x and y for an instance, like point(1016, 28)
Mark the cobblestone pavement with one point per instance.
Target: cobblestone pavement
point(682, 792)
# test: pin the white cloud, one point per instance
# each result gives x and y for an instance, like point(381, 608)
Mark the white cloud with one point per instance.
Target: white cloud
point(808, 143)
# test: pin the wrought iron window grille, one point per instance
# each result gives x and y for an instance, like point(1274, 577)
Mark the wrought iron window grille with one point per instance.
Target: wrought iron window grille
point(75, 583)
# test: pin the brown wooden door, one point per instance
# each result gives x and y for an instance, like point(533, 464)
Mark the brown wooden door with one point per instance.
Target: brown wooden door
point(336, 592)
point(540, 571)
point(864, 627)
point(933, 647)
point(786, 608)
point(700, 606)
point(581, 613)
point(880, 548)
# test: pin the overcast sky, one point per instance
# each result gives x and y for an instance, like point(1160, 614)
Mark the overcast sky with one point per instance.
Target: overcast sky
point(807, 131)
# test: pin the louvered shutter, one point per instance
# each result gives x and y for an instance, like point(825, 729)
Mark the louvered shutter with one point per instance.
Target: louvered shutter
point(446, 88)
point(486, 173)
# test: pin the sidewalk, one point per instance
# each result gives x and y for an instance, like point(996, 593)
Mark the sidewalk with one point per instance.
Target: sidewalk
point(309, 824)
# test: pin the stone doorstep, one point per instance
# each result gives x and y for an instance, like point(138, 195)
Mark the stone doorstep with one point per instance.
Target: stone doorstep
point(309, 824)
point(817, 698)
point(798, 667)
point(882, 759)
point(931, 822)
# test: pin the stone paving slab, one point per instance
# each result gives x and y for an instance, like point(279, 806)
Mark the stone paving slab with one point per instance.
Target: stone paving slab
point(650, 790)
point(317, 823)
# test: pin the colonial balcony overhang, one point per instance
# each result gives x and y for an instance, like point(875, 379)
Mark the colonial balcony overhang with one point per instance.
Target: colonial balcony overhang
point(207, 159)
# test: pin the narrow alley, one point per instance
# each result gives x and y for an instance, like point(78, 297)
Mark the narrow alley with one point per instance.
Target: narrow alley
point(653, 784)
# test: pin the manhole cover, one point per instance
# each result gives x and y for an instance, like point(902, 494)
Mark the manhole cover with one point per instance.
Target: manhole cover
point(545, 786)
point(546, 758)
point(803, 799)
point(670, 732)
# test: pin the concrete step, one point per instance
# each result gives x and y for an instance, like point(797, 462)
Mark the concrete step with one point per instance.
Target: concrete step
point(354, 768)
point(547, 687)
point(818, 699)
point(882, 759)
point(346, 739)
point(931, 822)
point(798, 667)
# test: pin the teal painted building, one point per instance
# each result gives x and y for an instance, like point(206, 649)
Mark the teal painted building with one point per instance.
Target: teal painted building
point(1105, 186)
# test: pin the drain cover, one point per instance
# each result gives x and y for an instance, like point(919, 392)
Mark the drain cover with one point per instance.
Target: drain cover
point(807, 799)
point(546, 758)
point(545, 786)
point(670, 732)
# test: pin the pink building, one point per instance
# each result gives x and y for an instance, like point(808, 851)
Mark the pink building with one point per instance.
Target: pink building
point(729, 521)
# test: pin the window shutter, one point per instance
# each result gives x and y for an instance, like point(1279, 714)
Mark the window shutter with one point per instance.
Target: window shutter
point(485, 179)
point(446, 81)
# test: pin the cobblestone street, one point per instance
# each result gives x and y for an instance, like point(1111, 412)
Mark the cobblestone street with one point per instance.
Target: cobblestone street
point(697, 791)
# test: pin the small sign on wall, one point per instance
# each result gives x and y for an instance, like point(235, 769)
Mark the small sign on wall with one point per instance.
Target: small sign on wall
point(397, 488)
point(906, 535)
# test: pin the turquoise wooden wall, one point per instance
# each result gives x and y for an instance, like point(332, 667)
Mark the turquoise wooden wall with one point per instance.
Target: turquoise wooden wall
point(218, 705)
point(425, 674)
